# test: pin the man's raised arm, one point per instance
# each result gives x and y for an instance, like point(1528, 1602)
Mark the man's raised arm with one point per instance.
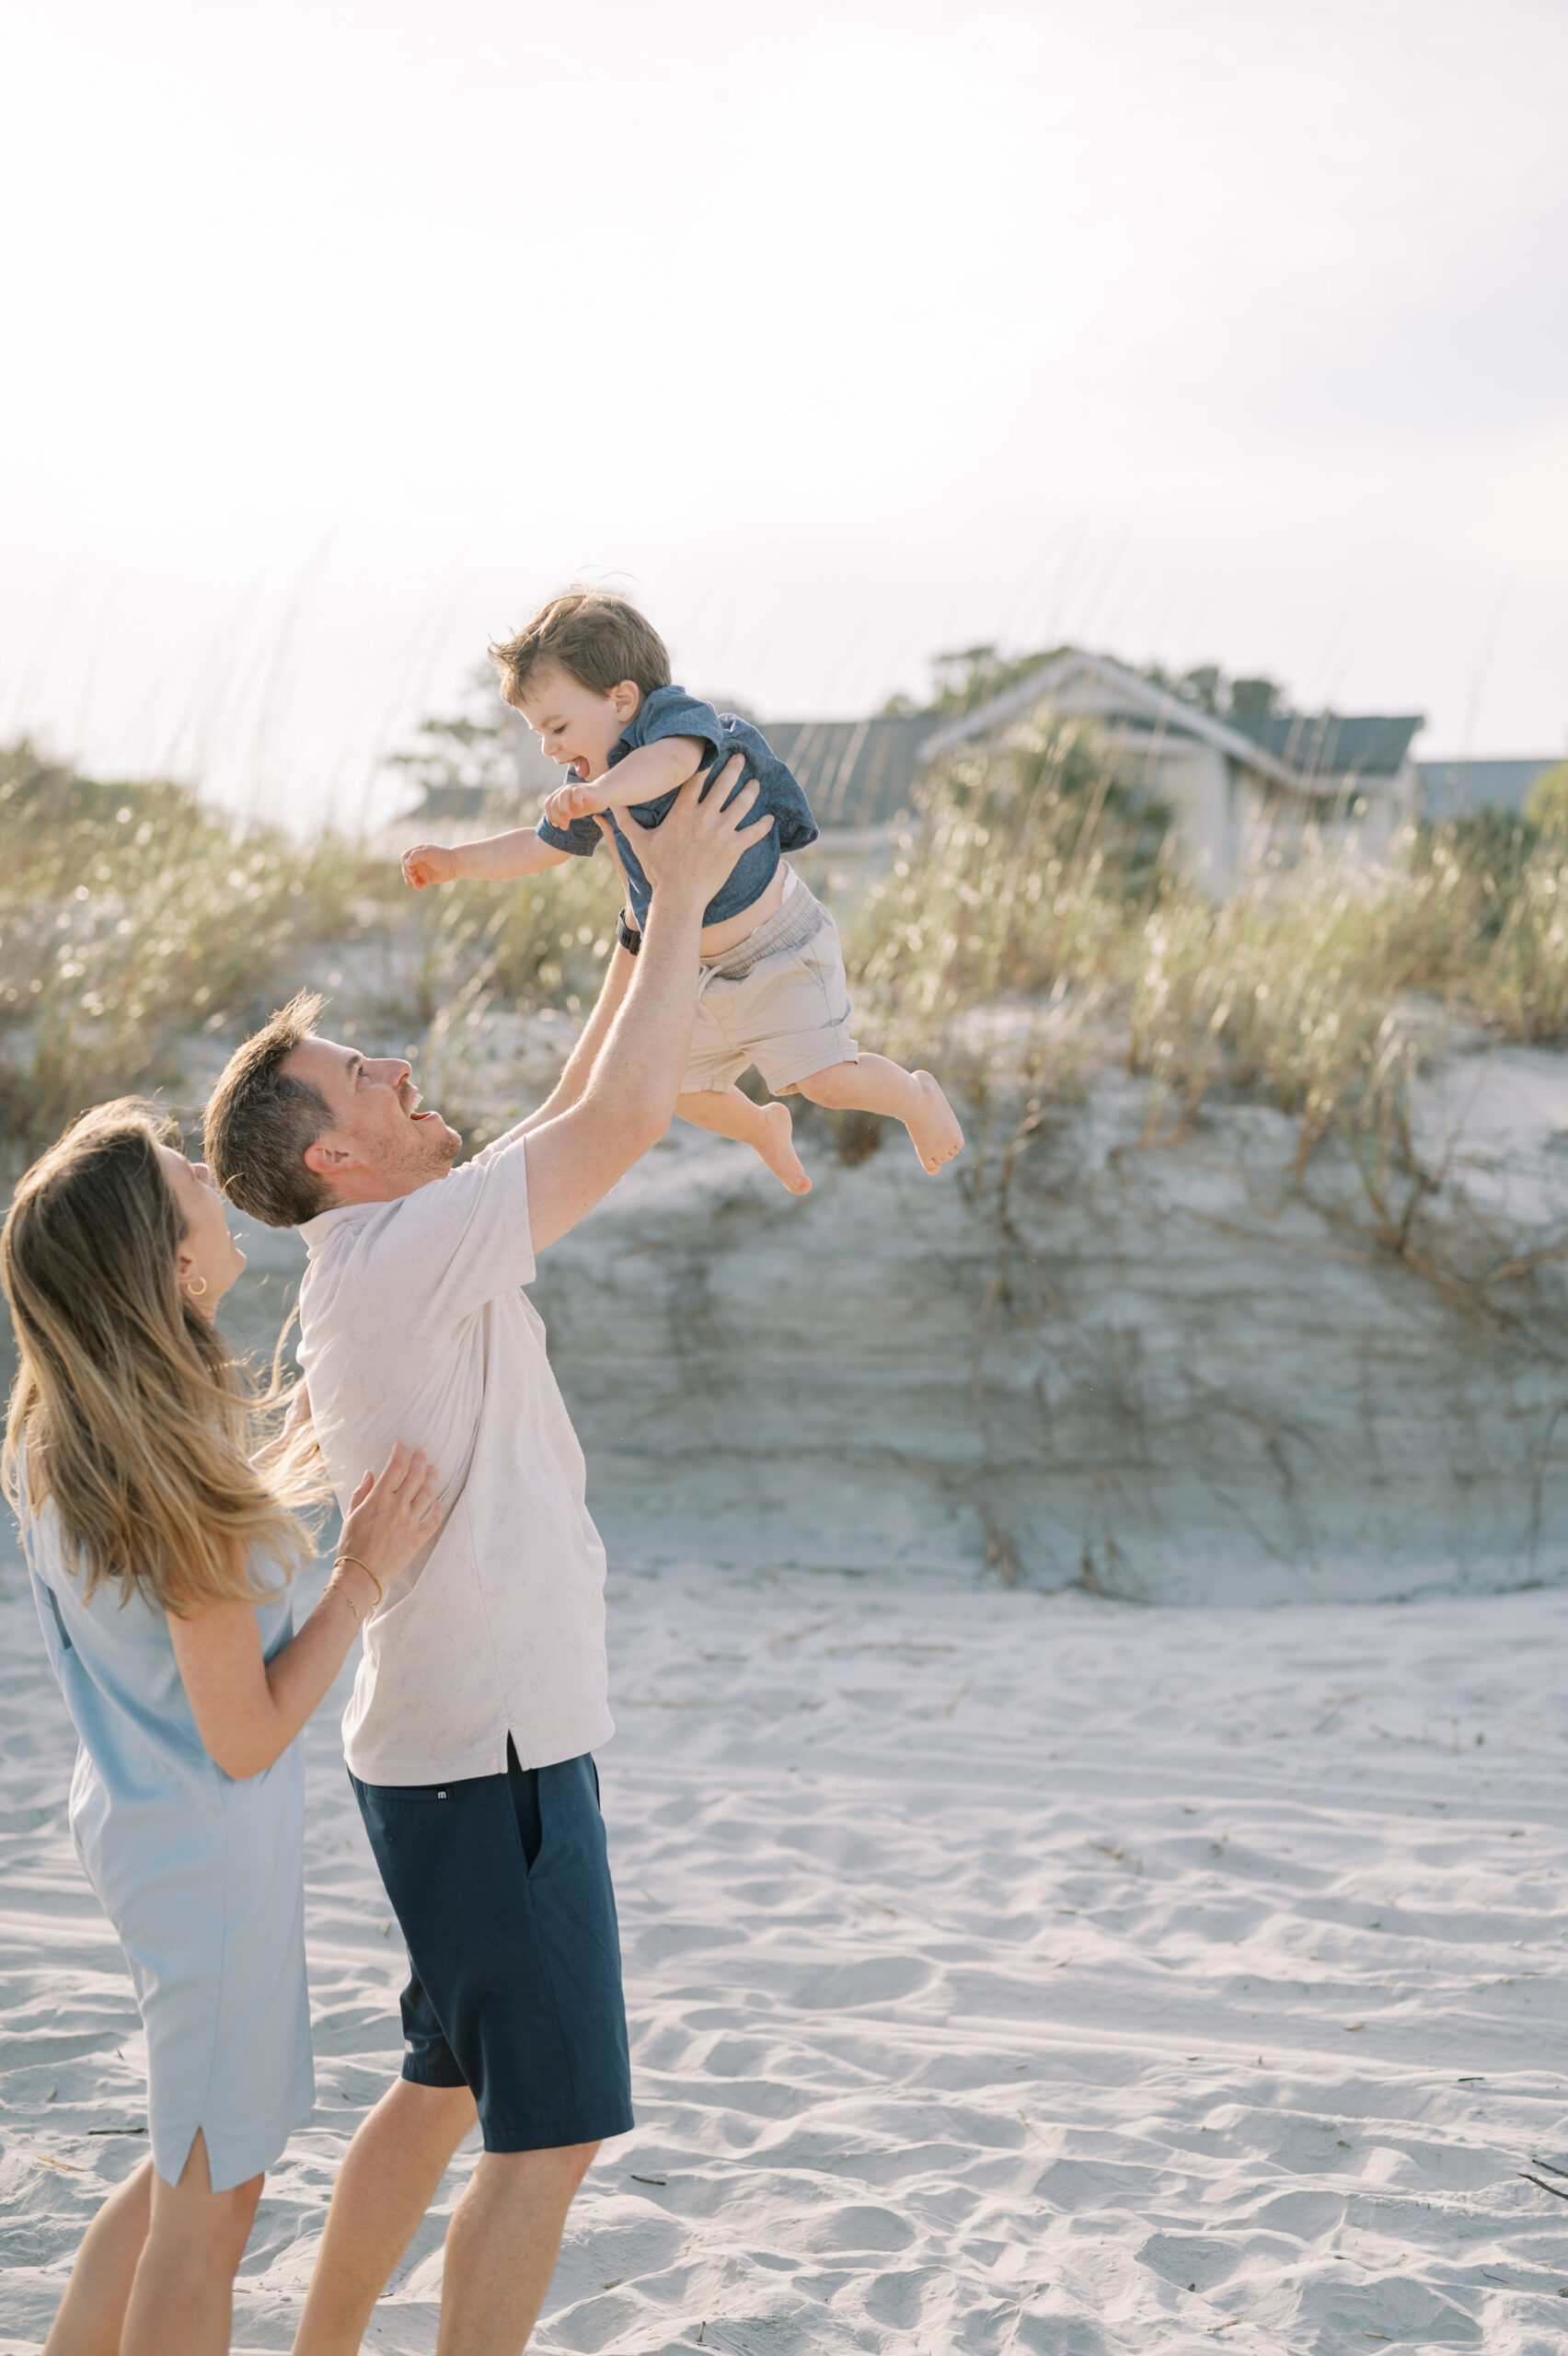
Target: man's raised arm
point(625, 1108)
point(571, 1088)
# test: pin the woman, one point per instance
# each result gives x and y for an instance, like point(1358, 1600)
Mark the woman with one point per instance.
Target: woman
point(160, 1556)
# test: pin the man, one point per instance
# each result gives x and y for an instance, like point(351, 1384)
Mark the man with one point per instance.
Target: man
point(482, 1689)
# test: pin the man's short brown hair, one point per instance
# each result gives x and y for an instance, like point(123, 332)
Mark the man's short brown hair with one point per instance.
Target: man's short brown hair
point(259, 1122)
point(595, 637)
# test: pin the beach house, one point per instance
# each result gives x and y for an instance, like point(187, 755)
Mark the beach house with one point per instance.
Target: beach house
point(1239, 785)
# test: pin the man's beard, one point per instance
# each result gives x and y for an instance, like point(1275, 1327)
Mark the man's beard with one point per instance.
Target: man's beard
point(430, 1151)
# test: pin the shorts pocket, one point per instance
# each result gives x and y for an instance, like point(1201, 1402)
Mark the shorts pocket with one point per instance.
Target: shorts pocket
point(523, 1785)
point(389, 1798)
point(824, 960)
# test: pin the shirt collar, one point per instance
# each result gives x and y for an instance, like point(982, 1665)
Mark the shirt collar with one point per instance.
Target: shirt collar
point(319, 1230)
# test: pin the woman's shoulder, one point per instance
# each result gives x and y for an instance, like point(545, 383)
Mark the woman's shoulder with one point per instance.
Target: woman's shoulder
point(55, 1559)
point(50, 1556)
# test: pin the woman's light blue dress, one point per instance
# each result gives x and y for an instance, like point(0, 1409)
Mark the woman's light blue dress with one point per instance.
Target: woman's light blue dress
point(202, 1877)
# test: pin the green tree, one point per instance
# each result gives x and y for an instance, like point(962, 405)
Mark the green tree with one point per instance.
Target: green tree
point(476, 747)
point(969, 676)
point(1546, 804)
point(1256, 698)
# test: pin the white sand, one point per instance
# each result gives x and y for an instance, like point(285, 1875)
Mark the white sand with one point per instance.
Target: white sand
point(1000, 1967)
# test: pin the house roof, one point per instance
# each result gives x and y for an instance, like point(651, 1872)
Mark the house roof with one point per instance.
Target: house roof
point(854, 772)
point(1293, 751)
point(1325, 743)
point(1453, 789)
point(1138, 700)
point(863, 773)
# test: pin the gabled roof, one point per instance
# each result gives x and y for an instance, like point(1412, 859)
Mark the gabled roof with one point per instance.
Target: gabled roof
point(1138, 699)
point(1326, 744)
point(1251, 743)
point(854, 772)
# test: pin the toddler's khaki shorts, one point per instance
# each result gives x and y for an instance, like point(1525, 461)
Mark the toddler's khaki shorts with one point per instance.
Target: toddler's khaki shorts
point(778, 999)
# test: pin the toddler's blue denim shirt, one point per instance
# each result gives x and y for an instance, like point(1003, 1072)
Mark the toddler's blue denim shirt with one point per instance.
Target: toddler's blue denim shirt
point(670, 711)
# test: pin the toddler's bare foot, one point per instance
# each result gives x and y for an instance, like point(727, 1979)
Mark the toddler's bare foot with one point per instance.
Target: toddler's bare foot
point(934, 1129)
point(777, 1147)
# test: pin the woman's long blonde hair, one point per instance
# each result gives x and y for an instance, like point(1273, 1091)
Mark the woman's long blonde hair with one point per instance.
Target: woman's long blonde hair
point(136, 1418)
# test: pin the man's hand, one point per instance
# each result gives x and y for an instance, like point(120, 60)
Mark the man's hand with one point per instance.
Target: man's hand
point(429, 864)
point(700, 841)
point(581, 799)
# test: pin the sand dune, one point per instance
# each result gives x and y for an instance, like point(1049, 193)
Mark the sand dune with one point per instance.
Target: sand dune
point(1170, 1374)
point(1006, 1972)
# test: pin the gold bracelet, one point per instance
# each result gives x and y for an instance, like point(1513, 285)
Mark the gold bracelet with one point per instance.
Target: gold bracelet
point(375, 1583)
point(336, 1587)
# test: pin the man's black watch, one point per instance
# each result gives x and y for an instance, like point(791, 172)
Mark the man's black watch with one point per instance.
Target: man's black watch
point(630, 942)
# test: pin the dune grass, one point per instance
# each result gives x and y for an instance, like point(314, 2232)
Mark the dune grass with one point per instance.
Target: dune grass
point(1030, 870)
point(1320, 984)
point(132, 918)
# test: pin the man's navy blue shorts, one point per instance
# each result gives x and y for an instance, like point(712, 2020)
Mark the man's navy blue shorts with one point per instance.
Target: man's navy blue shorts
point(500, 1885)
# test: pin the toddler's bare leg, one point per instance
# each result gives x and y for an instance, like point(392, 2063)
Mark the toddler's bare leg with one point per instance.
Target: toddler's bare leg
point(766, 1128)
point(874, 1085)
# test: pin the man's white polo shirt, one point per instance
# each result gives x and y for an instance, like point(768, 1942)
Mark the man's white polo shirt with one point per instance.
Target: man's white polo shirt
point(414, 1326)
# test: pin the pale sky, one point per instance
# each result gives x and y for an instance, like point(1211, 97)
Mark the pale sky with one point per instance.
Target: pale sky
point(336, 336)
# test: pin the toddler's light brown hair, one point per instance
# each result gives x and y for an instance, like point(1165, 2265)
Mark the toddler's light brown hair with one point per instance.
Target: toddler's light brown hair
point(595, 637)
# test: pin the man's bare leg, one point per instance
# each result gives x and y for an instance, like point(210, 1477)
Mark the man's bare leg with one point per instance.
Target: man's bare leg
point(766, 1128)
point(389, 2176)
point(501, 2247)
point(91, 2317)
point(874, 1085)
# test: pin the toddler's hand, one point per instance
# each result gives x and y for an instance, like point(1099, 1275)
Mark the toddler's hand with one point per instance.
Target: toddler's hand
point(568, 802)
point(429, 864)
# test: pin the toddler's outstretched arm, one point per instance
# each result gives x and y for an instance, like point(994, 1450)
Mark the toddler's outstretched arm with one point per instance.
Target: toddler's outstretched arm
point(520, 852)
point(643, 776)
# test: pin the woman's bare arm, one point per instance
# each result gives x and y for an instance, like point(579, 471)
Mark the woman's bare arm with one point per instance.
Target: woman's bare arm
point(248, 1710)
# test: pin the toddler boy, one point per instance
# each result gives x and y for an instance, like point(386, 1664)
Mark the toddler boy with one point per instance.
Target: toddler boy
point(592, 678)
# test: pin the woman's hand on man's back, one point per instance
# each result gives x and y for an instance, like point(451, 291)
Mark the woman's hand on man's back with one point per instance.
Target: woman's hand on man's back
point(392, 1515)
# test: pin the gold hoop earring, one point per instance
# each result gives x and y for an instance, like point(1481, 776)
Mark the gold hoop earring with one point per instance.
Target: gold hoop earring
point(194, 1291)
